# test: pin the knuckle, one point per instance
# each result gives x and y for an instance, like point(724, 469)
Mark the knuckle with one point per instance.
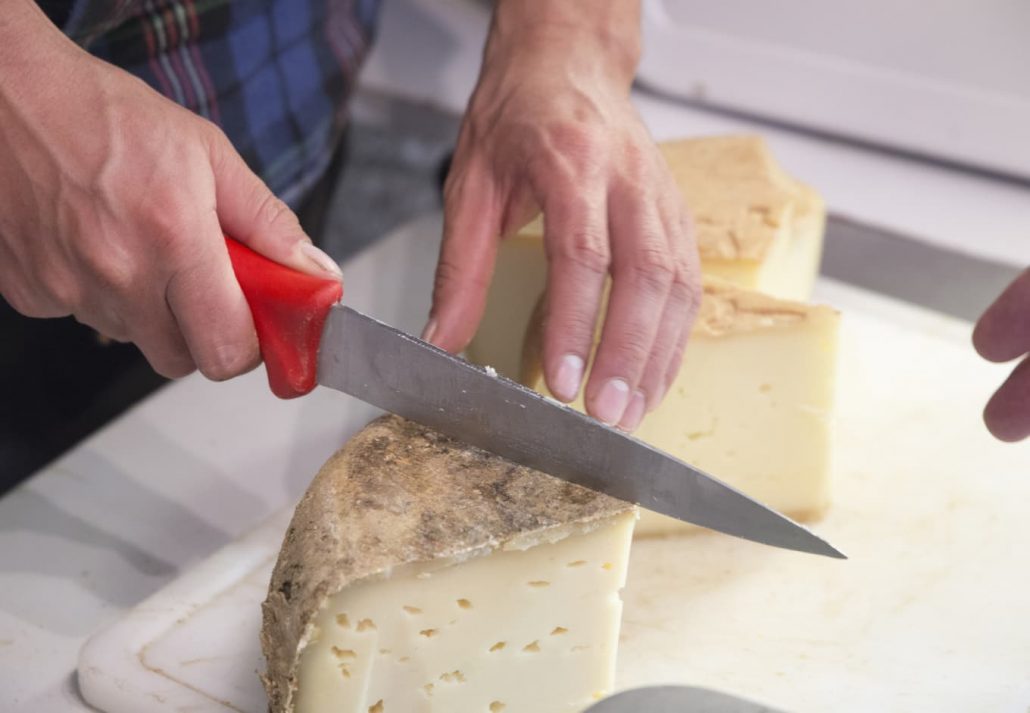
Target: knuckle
point(652, 268)
point(166, 216)
point(452, 277)
point(225, 361)
point(576, 146)
point(686, 289)
point(636, 163)
point(272, 210)
point(632, 346)
point(585, 248)
point(575, 326)
point(214, 135)
point(113, 271)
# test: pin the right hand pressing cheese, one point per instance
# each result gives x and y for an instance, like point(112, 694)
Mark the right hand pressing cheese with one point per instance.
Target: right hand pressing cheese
point(752, 403)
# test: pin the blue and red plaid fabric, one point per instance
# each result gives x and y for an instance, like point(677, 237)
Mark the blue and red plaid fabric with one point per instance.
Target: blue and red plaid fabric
point(274, 74)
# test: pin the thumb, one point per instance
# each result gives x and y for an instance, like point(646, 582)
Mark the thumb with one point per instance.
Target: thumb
point(250, 213)
point(467, 254)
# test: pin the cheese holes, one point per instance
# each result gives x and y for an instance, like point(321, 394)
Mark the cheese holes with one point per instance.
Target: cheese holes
point(429, 633)
point(577, 563)
point(342, 621)
point(559, 630)
point(464, 604)
point(366, 625)
point(498, 646)
point(532, 648)
point(497, 707)
point(411, 610)
point(378, 707)
point(453, 677)
point(345, 657)
point(539, 584)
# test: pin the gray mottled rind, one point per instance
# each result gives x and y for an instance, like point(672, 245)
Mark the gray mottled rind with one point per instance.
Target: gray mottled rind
point(396, 494)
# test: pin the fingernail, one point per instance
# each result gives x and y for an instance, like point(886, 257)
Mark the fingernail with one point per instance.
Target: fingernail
point(568, 377)
point(321, 260)
point(634, 412)
point(611, 401)
point(429, 332)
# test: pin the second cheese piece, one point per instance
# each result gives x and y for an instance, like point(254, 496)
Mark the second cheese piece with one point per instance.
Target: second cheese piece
point(752, 403)
point(756, 227)
point(420, 575)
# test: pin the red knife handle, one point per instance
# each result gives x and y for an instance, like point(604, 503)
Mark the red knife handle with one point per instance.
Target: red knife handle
point(289, 310)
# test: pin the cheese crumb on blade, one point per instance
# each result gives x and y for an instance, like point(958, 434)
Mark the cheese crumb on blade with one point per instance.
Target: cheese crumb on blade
point(425, 576)
point(755, 225)
point(752, 404)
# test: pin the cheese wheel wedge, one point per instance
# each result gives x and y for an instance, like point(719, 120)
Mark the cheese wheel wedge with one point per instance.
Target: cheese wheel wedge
point(752, 404)
point(755, 225)
point(421, 575)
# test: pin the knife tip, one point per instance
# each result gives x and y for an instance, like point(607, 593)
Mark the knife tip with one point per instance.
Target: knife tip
point(827, 550)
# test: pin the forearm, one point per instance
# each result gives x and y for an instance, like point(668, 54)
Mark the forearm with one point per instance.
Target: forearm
point(605, 31)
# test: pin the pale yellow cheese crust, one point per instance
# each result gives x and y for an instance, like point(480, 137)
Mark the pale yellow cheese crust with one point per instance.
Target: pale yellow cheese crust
point(400, 494)
point(740, 197)
point(727, 309)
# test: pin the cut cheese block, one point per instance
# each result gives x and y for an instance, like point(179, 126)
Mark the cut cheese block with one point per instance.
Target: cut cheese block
point(756, 227)
point(752, 403)
point(420, 575)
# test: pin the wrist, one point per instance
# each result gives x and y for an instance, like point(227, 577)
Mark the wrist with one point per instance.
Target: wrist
point(604, 37)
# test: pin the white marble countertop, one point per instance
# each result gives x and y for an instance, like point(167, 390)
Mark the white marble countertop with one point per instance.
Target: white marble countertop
point(197, 464)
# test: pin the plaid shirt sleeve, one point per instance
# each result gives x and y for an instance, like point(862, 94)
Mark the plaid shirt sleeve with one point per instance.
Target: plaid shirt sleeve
point(274, 74)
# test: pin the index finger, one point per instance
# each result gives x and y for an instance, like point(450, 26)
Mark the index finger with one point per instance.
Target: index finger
point(210, 308)
point(467, 256)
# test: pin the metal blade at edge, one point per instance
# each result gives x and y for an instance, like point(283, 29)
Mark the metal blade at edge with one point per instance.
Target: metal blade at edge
point(406, 376)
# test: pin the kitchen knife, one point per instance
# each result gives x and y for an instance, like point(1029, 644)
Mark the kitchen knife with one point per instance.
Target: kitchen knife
point(307, 337)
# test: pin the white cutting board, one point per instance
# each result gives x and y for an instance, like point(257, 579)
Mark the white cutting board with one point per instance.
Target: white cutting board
point(931, 613)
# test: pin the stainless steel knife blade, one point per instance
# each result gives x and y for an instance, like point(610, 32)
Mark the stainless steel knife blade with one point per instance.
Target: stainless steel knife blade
point(406, 376)
point(677, 699)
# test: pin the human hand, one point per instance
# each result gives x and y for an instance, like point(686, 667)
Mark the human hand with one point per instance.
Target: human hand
point(1003, 334)
point(115, 202)
point(551, 127)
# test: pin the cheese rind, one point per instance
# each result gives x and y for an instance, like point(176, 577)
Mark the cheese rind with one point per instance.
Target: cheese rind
point(403, 513)
point(752, 403)
point(756, 227)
